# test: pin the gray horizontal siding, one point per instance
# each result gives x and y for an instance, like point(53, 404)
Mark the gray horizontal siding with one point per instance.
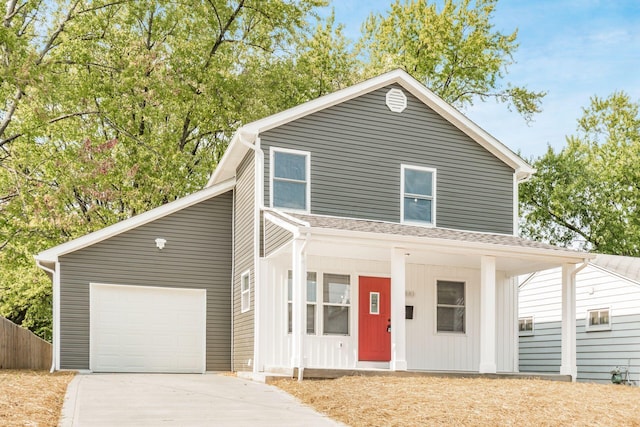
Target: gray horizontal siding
point(597, 352)
point(243, 323)
point(197, 255)
point(357, 148)
point(275, 237)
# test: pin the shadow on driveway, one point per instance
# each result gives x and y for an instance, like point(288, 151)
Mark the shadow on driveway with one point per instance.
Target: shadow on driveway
point(181, 400)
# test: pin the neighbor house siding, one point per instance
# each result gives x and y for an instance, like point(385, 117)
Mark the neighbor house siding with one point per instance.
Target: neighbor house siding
point(357, 148)
point(244, 225)
point(597, 351)
point(197, 255)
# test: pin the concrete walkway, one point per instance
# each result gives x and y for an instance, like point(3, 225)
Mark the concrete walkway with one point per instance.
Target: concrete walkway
point(181, 400)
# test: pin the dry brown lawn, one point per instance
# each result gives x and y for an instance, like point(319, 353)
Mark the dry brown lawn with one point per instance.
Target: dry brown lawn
point(32, 398)
point(431, 401)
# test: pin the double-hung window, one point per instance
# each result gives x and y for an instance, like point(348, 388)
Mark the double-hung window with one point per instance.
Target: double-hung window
point(290, 179)
point(450, 306)
point(336, 301)
point(312, 285)
point(418, 203)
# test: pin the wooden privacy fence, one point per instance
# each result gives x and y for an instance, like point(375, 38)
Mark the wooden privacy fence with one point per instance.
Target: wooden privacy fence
point(21, 349)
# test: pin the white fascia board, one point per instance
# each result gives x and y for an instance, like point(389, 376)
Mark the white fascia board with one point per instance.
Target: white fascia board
point(235, 152)
point(559, 256)
point(51, 255)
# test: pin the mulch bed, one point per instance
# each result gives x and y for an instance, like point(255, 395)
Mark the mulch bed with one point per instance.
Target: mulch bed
point(431, 401)
point(32, 398)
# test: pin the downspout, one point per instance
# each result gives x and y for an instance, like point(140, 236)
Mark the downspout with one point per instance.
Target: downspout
point(54, 292)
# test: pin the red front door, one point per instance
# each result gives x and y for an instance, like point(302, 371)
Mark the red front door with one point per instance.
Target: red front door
point(374, 320)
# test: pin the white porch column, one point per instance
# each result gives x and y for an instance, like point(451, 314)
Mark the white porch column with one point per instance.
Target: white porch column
point(487, 315)
point(398, 331)
point(298, 300)
point(568, 364)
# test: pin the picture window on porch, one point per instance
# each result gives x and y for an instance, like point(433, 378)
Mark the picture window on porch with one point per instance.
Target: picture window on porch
point(598, 320)
point(312, 286)
point(290, 179)
point(450, 306)
point(336, 301)
point(525, 326)
point(245, 292)
point(418, 203)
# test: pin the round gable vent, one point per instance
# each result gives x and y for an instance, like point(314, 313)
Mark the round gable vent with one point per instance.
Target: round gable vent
point(396, 100)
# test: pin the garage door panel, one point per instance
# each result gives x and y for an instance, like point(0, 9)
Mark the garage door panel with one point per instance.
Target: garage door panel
point(147, 329)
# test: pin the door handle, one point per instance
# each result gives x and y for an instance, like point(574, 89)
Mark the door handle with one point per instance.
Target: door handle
point(389, 325)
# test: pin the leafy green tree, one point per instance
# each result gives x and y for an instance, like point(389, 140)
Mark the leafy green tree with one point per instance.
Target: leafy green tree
point(454, 50)
point(588, 194)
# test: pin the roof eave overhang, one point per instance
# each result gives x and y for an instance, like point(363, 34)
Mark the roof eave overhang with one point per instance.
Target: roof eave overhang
point(51, 256)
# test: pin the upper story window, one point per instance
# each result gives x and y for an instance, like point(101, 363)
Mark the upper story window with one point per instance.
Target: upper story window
point(290, 179)
point(525, 326)
point(418, 195)
point(598, 320)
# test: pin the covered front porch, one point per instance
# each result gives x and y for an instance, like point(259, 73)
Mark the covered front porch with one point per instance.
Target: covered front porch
point(351, 294)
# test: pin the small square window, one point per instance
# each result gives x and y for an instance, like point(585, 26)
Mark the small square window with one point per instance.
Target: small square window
point(598, 320)
point(245, 292)
point(418, 195)
point(525, 326)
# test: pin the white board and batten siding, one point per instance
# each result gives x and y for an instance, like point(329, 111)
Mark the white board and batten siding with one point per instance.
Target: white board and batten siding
point(147, 329)
point(426, 349)
point(598, 351)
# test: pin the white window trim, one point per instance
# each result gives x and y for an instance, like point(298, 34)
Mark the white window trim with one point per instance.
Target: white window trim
point(245, 292)
point(322, 304)
point(595, 328)
point(533, 326)
point(466, 308)
point(306, 307)
point(404, 167)
point(307, 154)
point(377, 294)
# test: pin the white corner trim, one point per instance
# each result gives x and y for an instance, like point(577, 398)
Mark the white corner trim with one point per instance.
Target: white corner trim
point(52, 254)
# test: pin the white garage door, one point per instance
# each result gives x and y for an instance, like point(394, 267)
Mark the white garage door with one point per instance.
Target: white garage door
point(147, 329)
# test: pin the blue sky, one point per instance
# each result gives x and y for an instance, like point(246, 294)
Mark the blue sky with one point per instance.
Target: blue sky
point(573, 49)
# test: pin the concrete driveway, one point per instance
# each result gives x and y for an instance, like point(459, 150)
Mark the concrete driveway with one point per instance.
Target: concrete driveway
point(181, 400)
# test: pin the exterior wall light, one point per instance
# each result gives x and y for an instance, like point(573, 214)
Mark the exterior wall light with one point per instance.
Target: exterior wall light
point(160, 242)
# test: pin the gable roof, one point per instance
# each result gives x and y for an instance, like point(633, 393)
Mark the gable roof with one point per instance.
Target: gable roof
point(51, 255)
point(246, 135)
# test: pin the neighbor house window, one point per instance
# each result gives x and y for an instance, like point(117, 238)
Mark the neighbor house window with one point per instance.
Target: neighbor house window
point(450, 306)
point(312, 286)
point(418, 203)
point(525, 326)
point(598, 320)
point(245, 292)
point(289, 179)
point(336, 301)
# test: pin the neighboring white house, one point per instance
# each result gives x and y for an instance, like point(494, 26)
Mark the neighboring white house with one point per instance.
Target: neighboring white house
point(607, 319)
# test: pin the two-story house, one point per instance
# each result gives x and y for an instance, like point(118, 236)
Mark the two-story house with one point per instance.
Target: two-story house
point(375, 227)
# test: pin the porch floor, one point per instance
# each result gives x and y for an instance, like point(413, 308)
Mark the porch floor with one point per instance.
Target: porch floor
point(310, 373)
